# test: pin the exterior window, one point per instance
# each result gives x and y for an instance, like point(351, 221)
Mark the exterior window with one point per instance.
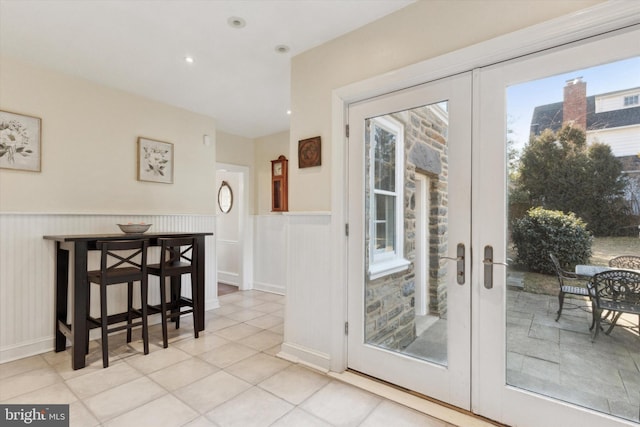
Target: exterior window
point(631, 100)
point(386, 198)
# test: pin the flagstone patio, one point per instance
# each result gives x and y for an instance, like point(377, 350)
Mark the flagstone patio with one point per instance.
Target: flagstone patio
point(559, 359)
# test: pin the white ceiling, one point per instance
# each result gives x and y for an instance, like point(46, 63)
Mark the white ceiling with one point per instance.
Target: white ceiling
point(139, 46)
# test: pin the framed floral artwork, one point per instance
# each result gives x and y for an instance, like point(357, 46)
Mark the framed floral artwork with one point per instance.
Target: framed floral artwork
point(155, 161)
point(20, 142)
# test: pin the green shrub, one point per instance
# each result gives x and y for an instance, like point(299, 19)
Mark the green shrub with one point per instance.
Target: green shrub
point(541, 232)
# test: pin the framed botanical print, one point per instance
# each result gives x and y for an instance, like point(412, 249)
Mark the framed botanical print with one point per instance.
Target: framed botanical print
point(155, 161)
point(20, 142)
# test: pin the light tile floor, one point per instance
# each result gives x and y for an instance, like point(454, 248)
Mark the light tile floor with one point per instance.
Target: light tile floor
point(230, 376)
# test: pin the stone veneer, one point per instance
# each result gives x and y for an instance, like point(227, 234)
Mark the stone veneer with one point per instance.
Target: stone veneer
point(390, 314)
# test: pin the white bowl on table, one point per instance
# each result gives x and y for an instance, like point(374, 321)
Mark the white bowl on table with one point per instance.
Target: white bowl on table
point(134, 228)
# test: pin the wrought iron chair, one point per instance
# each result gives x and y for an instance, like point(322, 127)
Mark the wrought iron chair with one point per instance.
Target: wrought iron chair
point(617, 291)
point(566, 277)
point(177, 257)
point(118, 264)
point(631, 262)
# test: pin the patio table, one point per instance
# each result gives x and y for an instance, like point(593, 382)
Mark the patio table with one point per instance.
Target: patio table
point(590, 270)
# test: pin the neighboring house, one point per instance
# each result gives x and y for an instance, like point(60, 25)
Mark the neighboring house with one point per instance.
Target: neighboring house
point(612, 118)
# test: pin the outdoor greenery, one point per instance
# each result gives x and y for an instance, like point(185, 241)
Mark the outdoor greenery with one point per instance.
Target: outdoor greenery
point(604, 248)
point(541, 232)
point(559, 171)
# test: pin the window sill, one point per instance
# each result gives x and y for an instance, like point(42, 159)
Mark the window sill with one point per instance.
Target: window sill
point(385, 268)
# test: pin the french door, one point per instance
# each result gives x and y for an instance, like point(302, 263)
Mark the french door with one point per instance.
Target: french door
point(528, 368)
point(410, 179)
point(430, 306)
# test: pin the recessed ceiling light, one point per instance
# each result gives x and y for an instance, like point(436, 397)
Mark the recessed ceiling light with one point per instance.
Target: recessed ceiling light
point(288, 112)
point(189, 59)
point(282, 48)
point(236, 22)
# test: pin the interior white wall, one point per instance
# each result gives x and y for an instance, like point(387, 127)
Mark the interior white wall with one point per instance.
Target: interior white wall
point(266, 149)
point(89, 148)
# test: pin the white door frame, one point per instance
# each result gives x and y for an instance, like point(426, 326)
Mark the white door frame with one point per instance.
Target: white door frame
point(599, 19)
point(245, 237)
point(422, 230)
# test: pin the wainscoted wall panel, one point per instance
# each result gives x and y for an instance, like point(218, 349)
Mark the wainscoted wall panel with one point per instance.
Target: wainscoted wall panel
point(308, 285)
point(270, 256)
point(27, 270)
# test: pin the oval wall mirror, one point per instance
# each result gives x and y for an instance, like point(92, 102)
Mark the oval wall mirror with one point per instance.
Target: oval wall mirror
point(225, 197)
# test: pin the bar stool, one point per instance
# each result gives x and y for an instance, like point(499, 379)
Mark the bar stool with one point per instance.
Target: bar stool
point(177, 257)
point(117, 267)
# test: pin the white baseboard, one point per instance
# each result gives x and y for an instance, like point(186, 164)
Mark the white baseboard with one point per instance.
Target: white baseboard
point(229, 278)
point(211, 304)
point(268, 287)
point(305, 356)
point(26, 349)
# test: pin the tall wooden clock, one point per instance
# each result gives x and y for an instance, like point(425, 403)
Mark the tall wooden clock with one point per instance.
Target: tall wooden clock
point(280, 184)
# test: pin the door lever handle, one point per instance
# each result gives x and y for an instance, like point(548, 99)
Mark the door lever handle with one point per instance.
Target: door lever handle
point(460, 274)
point(488, 266)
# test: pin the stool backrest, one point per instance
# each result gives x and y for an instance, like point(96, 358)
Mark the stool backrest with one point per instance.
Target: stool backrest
point(177, 251)
point(126, 259)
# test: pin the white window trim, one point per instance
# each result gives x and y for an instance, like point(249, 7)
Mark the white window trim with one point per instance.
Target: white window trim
point(388, 263)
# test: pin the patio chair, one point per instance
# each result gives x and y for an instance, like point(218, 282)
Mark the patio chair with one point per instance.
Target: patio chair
point(564, 278)
point(631, 262)
point(617, 291)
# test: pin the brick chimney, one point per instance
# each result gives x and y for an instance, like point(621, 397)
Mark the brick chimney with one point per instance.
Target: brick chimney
point(574, 107)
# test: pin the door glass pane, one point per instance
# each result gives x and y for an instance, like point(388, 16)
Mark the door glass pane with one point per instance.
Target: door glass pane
point(574, 192)
point(406, 209)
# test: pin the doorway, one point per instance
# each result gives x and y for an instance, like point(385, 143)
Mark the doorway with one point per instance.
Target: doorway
point(233, 235)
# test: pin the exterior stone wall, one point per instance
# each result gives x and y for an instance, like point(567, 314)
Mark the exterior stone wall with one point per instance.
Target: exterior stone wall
point(390, 300)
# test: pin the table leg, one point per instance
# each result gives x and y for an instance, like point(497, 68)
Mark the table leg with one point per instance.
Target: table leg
point(79, 301)
point(62, 292)
point(201, 281)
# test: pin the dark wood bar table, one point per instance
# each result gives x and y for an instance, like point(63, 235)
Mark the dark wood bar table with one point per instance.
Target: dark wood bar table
point(80, 245)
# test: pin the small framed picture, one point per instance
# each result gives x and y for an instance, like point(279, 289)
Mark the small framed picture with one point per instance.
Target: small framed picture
point(309, 153)
point(155, 161)
point(20, 142)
